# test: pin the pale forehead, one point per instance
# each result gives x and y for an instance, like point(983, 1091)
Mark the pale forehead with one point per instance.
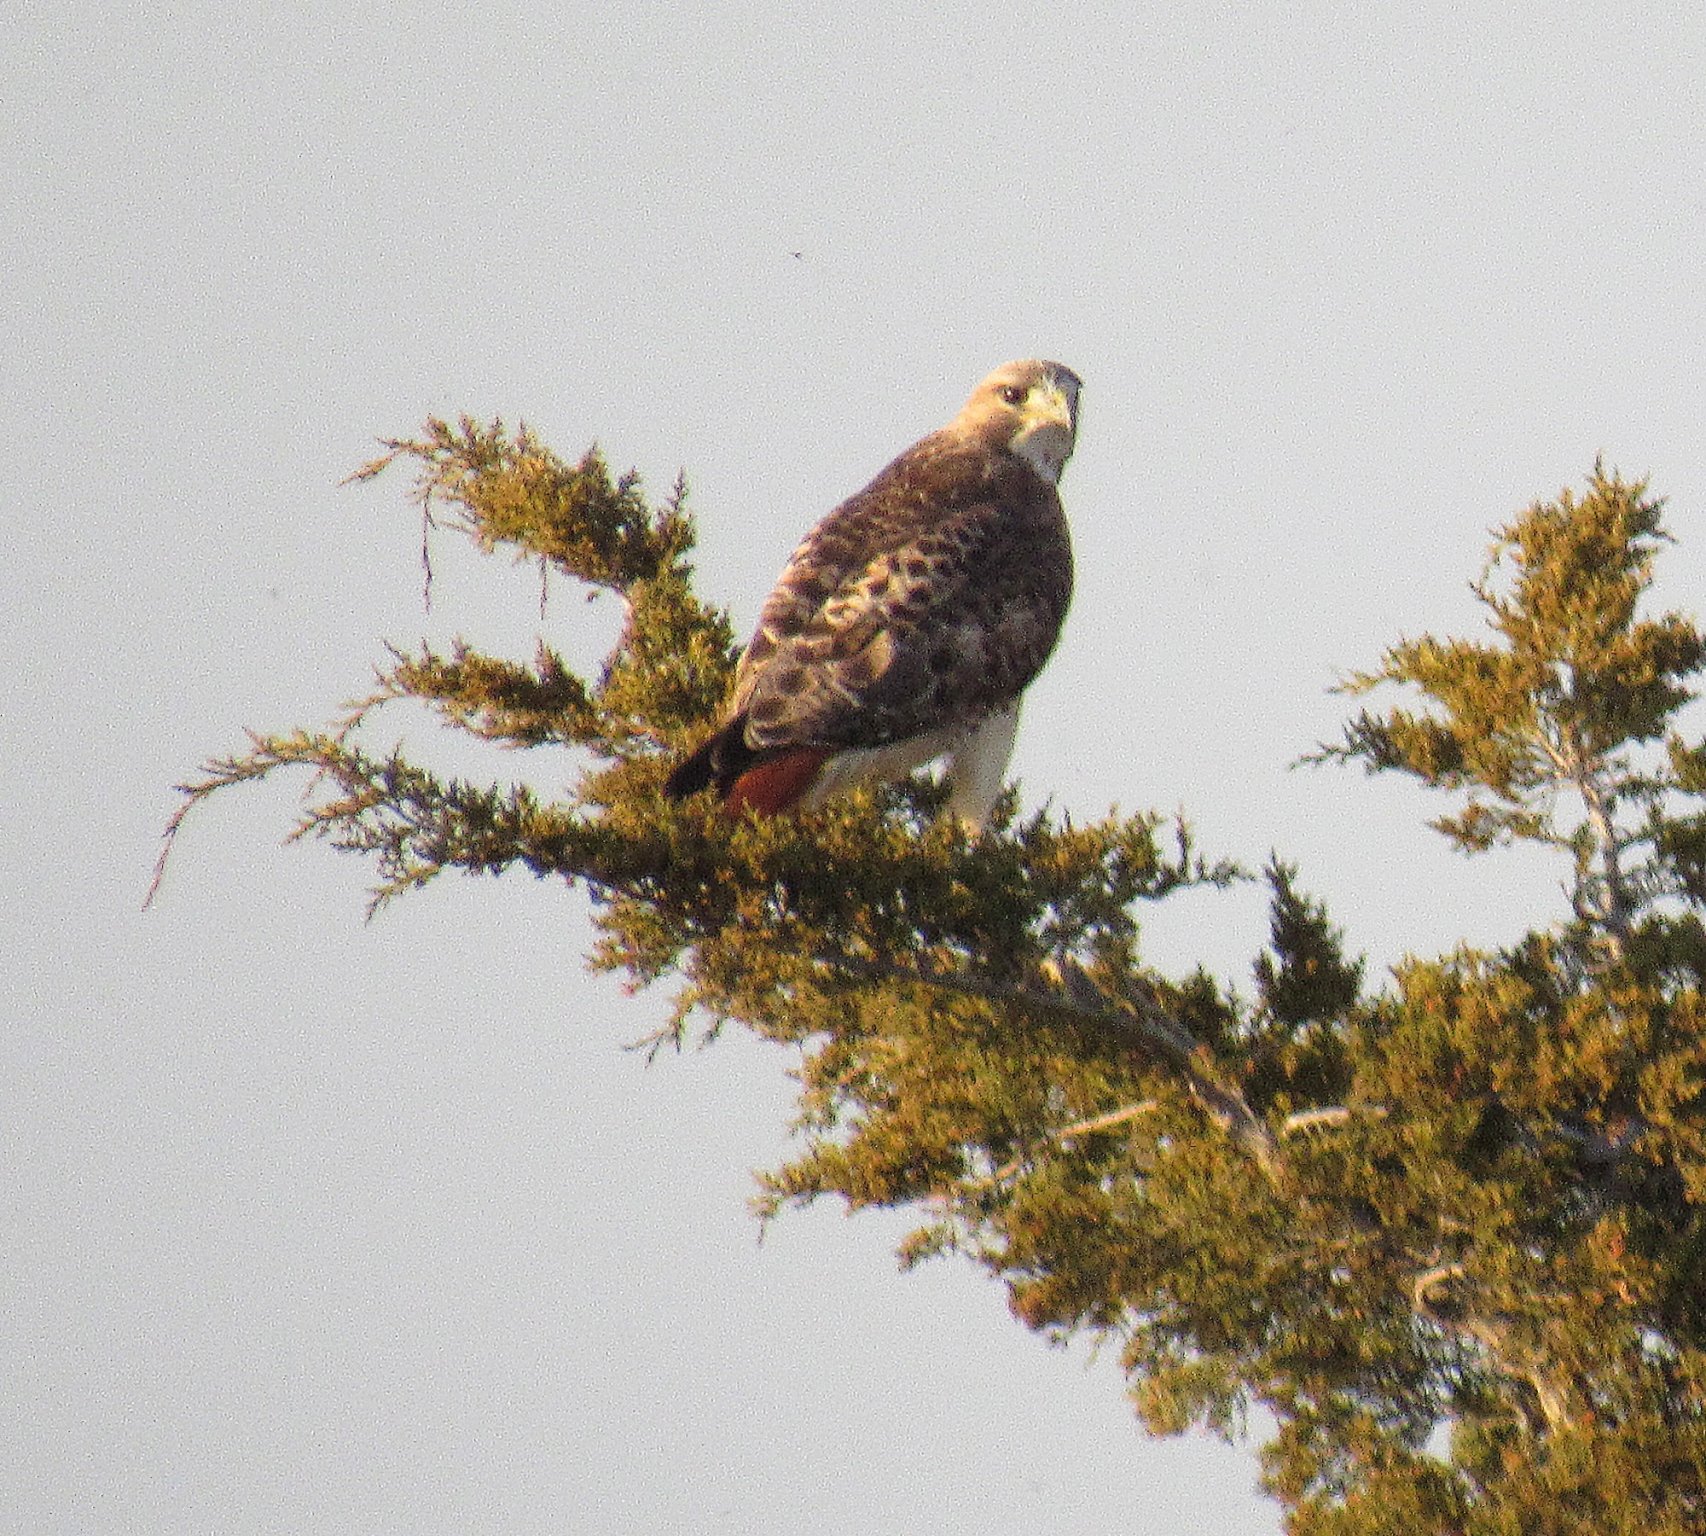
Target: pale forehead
point(1033, 370)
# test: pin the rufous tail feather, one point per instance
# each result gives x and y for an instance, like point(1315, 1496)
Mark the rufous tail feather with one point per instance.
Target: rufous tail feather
point(776, 784)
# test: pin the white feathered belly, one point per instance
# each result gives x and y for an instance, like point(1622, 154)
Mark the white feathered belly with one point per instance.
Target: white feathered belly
point(978, 758)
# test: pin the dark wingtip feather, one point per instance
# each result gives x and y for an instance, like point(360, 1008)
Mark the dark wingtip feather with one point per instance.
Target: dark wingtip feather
point(720, 759)
point(693, 773)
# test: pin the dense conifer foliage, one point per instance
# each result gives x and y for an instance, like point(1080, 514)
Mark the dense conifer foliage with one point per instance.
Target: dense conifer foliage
point(1446, 1227)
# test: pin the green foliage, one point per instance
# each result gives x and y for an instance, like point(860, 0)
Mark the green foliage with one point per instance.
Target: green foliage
point(1542, 728)
point(1464, 1208)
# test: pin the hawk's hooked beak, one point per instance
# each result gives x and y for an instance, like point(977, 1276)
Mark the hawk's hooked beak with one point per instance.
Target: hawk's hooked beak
point(1050, 406)
point(1045, 439)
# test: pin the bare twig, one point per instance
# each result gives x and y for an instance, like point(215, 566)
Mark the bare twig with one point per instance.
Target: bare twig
point(1107, 1122)
point(1305, 1120)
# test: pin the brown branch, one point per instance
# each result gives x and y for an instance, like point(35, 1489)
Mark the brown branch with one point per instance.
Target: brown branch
point(1135, 1019)
point(1559, 1403)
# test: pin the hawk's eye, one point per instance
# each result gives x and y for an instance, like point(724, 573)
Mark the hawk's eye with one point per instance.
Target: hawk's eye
point(1013, 394)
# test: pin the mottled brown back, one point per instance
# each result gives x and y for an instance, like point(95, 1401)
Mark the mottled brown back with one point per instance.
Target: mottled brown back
point(930, 598)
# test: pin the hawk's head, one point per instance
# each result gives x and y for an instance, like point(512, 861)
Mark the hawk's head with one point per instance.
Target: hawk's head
point(1029, 407)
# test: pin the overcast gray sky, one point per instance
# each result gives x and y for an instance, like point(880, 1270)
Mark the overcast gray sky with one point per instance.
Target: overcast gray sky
point(316, 1226)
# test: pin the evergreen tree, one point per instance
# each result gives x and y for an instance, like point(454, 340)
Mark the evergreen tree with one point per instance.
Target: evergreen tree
point(1447, 1232)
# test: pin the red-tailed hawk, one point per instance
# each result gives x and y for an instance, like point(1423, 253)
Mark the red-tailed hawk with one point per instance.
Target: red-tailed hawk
point(910, 620)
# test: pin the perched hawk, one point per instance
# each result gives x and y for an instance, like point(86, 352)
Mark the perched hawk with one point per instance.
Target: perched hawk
point(910, 620)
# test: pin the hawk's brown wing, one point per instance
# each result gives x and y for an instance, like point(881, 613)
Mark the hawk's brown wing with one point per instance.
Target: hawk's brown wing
point(929, 599)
